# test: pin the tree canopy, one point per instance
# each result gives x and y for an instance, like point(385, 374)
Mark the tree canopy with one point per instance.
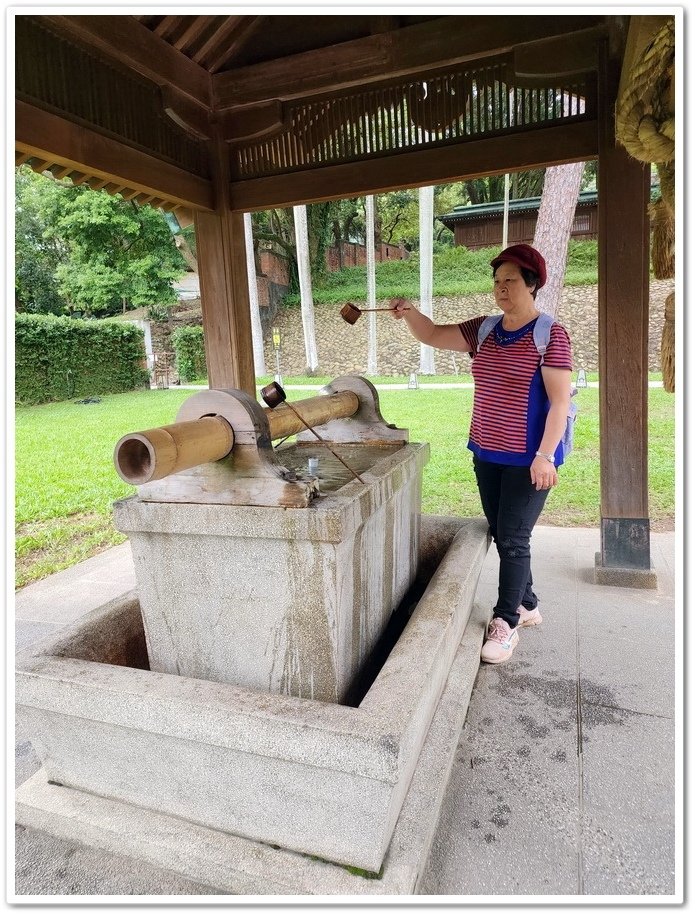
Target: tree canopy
point(89, 251)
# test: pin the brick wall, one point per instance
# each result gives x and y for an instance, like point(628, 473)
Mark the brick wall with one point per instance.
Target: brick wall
point(274, 268)
point(354, 255)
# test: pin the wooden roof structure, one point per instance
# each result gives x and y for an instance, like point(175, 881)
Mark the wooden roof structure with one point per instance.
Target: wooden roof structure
point(212, 116)
point(307, 96)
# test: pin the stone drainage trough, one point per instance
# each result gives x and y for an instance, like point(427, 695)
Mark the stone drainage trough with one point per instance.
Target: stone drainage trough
point(324, 772)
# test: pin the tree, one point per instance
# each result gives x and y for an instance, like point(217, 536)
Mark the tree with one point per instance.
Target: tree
point(98, 253)
point(528, 183)
point(370, 241)
point(256, 328)
point(554, 223)
point(277, 226)
point(38, 252)
point(121, 255)
point(305, 274)
point(426, 202)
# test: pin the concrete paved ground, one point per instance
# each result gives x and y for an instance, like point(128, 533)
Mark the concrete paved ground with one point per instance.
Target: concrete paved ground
point(563, 782)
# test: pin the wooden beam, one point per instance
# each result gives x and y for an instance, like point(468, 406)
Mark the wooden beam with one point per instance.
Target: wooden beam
point(61, 172)
point(239, 125)
point(218, 39)
point(471, 159)
point(222, 270)
point(440, 42)
point(189, 116)
point(560, 56)
point(192, 32)
point(65, 143)
point(167, 26)
point(238, 40)
point(127, 41)
point(624, 275)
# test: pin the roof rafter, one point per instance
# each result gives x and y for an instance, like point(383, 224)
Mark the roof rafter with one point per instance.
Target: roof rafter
point(449, 39)
point(247, 27)
point(101, 158)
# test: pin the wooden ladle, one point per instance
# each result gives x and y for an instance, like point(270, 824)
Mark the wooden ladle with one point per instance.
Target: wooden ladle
point(351, 313)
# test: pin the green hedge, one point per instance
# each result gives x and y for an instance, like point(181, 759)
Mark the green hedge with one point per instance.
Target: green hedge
point(57, 359)
point(190, 352)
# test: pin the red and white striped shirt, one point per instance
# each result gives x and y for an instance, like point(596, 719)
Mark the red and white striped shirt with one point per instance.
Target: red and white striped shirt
point(510, 401)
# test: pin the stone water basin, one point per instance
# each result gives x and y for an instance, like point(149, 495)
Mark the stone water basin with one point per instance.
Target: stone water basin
point(319, 778)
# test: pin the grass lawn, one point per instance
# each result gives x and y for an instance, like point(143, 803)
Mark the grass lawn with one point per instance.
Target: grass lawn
point(66, 482)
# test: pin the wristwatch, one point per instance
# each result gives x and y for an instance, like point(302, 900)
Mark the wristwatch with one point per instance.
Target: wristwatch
point(548, 457)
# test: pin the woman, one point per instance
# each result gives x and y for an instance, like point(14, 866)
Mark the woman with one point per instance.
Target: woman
point(519, 417)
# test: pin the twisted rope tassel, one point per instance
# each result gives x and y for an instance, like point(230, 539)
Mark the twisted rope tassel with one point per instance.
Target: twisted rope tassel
point(643, 125)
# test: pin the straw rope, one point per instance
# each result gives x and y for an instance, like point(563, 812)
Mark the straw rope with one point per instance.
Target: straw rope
point(645, 127)
point(662, 248)
point(644, 121)
point(667, 346)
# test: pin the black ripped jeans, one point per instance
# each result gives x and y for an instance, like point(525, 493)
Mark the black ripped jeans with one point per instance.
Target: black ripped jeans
point(512, 506)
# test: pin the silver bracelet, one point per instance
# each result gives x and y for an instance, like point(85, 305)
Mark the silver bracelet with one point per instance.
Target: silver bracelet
point(548, 457)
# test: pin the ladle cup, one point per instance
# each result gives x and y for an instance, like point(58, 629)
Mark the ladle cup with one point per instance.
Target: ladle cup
point(351, 313)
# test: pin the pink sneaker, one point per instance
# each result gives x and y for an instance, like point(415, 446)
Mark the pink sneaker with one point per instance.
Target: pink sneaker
point(500, 643)
point(529, 618)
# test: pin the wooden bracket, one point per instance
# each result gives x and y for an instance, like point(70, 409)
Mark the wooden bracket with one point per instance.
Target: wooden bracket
point(365, 425)
point(250, 475)
point(194, 119)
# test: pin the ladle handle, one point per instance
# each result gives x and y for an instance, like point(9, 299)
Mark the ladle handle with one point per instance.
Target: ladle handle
point(407, 309)
point(324, 442)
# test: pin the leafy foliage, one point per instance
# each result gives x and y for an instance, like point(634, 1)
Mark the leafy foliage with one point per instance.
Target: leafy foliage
point(59, 357)
point(190, 352)
point(37, 252)
point(89, 251)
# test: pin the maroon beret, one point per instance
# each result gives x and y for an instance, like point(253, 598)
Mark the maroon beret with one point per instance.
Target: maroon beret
point(524, 256)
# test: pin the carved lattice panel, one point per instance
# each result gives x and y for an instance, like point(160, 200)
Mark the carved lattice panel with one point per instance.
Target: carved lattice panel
point(449, 107)
point(60, 77)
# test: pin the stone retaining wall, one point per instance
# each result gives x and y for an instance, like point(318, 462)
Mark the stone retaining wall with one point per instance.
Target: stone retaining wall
point(342, 348)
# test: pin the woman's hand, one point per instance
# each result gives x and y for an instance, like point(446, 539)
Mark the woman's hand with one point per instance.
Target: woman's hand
point(544, 474)
point(399, 305)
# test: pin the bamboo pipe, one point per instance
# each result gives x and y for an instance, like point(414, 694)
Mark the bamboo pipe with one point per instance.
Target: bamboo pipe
point(316, 411)
point(273, 395)
point(155, 453)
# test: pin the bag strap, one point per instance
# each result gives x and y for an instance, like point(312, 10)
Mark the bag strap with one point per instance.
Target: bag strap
point(542, 331)
point(542, 334)
point(486, 327)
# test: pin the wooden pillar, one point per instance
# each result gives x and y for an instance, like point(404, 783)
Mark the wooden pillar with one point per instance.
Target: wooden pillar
point(224, 288)
point(624, 275)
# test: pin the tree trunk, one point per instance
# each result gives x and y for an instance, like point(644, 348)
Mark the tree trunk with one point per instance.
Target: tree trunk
point(425, 209)
point(305, 277)
point(556, 215)
point(186, 253)
point(256, 330)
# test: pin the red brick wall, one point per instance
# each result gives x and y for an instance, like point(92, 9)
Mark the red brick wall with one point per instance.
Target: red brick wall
point(274, 268)
point(356, 255)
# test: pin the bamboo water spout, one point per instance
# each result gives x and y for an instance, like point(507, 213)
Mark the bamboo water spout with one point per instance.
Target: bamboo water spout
point(155, 453)
point(152, 454)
